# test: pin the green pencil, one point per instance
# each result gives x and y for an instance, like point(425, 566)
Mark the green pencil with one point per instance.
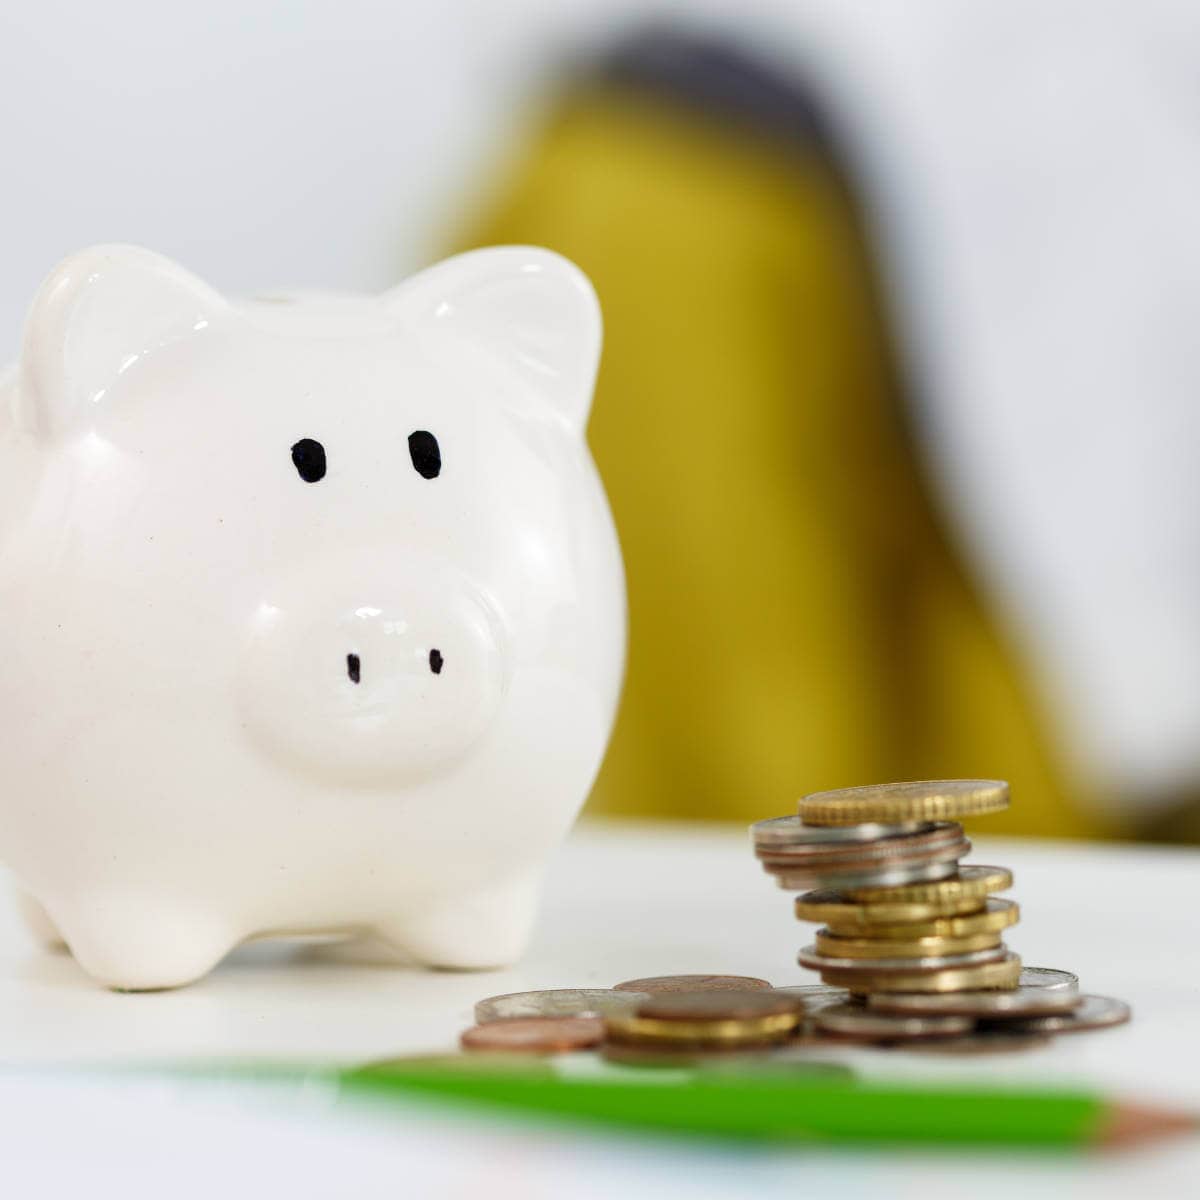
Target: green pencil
point(777, 1107)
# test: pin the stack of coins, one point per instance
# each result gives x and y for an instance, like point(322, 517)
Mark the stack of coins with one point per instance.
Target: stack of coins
point(916, 922)
point(915, 938)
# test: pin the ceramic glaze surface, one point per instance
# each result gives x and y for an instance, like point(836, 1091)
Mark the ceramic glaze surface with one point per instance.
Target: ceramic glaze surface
point(313, 607)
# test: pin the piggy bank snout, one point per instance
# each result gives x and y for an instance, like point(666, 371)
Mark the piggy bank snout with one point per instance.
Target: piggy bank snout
point(379, 677)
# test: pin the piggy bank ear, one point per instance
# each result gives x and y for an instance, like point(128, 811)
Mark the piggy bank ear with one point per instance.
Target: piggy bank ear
point(528, 306)
point(98, 313)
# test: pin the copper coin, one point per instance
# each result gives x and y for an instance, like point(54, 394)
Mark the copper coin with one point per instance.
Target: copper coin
point(655, 985)
point(991, 1006)
point(535, 1035)
point(853, 1021)
point(719, 1005)
point(1095, 1012)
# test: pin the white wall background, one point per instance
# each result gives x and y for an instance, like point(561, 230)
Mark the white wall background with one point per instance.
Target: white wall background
point(1034, 166)
point(262, 144)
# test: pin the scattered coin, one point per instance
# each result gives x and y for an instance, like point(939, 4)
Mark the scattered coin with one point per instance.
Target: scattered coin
point(974, 882)
point(1050, 978)
point(655, 984)
point(865, 968)
point(1001, 974)
point(994, 1005)
point(1095, 1012)
point(872, 948)
point(555, 1002)
point(739, 1031)
point(536, 1035)
point(929, 800)
point(791, 831)
point(721, 1005)
point(854, 1021)
point(835, 908)
point(995, 916)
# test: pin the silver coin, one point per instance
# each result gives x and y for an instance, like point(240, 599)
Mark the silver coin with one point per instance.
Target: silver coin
point(808, 957)
point(558, 1002)
point(1050, 978)
point(791, 831)
point(903, 847)
point(817, 995)
point(939, 866)
point(994, 1006)
point(855, 1021)
point(1095, 1012)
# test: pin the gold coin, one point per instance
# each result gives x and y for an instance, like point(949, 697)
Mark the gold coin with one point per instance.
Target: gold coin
point(973, 883)
point(917, 947)
point(1003, 974)
point(831, 907)
point(888, 803)
point(727, 1031)
point(996, 916)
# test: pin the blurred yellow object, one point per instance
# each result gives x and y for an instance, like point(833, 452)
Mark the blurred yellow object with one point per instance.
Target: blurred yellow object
point(798, 620)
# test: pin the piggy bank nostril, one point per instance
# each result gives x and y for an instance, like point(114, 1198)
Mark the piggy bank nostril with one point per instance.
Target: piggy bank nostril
point(435, 661)
point(353, 667)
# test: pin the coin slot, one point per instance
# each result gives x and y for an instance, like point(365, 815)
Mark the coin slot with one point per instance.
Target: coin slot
point(435, 661)
point(353, 667)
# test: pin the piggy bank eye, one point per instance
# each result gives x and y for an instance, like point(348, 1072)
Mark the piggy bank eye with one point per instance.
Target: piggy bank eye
point(425, 453)
point(309, 459)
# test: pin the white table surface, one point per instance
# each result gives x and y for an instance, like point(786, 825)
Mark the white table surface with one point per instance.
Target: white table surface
point(623, 901)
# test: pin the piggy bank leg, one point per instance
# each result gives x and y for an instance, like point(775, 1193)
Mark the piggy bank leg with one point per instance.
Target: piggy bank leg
point(467, 931)
point(37, 920)
point(141, 944)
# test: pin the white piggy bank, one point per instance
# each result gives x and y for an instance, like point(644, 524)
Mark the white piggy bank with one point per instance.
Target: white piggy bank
point(311, 610)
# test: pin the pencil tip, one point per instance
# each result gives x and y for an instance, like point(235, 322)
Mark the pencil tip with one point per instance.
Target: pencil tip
point(1133, 1124)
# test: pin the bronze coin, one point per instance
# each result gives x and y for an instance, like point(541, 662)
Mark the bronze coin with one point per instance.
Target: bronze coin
point(655, 985)
point(924, 800)
point(535, 1035)
point(719, 1005)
